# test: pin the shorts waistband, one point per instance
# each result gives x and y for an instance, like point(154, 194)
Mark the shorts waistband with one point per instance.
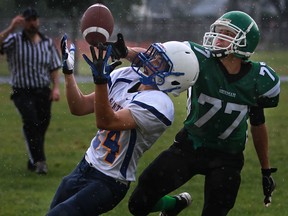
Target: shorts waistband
point(126, 183)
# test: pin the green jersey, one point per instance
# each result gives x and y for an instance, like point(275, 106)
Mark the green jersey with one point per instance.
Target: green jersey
point(218, 106)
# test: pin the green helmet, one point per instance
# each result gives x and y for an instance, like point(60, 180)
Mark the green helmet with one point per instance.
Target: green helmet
point(245, 41)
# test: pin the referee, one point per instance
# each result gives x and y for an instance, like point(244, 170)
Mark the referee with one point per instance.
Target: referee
point(33, 63)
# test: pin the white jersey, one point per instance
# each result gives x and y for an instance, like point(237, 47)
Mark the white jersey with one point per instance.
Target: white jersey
point(116, 153)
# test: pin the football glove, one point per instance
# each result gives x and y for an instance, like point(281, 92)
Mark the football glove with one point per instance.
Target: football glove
point(67, 56)
point(100, 68)
point(119, 49)
point(268, 185)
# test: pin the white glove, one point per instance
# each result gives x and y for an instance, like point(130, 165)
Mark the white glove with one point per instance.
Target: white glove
point(67, 56)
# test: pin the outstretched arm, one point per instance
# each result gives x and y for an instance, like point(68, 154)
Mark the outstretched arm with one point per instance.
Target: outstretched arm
point(120, 50)
point(79, 104)
point(106, 117)
point(133, 52)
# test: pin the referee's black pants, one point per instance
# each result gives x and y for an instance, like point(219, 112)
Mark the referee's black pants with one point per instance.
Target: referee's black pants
point(34, 106)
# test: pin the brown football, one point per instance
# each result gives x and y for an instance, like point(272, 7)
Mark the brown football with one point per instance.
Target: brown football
point(97, 24)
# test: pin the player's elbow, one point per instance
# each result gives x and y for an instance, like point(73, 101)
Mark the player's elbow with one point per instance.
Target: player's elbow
point(100, 125)
point(74, 111)
point(108, 124)
point(103, 124)
point(77, 112)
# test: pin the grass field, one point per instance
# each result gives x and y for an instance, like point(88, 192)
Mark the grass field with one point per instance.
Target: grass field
point(25, 193)
point(275, 59)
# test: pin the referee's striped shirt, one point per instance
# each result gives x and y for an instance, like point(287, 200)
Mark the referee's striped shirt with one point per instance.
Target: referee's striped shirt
point(30, 64)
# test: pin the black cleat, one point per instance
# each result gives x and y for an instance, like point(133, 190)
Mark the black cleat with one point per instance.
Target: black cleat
point(41, 167)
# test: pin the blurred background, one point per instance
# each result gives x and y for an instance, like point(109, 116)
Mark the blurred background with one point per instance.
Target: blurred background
point(141, 22)
point(156, 20)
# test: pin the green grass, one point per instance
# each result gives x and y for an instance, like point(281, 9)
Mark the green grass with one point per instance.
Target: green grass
point(82, 68)
point(25, 193)
point(68, 137)
point(275, 59)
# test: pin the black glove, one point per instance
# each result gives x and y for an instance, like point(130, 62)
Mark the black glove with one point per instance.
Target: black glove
point(67, 56)
point(268, 185)
point(119, 49)
point(100, 68)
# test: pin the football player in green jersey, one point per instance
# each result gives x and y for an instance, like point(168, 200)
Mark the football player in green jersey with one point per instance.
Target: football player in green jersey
point(230, 90)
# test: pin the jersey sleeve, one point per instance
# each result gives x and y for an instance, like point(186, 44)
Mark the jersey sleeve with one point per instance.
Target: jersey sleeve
point(152, 112)
point(7, 43)
point(268, 86)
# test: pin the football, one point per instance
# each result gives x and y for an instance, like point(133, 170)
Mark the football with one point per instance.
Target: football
point(97, 24)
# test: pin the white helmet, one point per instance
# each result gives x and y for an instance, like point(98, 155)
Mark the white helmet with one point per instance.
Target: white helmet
point(174, 72)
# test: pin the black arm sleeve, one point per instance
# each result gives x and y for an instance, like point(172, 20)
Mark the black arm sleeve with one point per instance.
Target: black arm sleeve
point(256, 115)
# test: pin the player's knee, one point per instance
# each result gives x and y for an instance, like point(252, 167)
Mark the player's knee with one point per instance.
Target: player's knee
point(138, 205)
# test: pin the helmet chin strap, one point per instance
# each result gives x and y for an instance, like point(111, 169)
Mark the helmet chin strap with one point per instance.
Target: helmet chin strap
point(220, 53)
point(224, 53)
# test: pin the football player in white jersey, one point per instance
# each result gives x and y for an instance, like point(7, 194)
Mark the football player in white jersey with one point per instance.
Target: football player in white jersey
point(132, 110)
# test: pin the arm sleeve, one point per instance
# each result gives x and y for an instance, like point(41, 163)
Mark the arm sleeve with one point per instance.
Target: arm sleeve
point(150, 113)
point(256, 115)
point(7, 43)
point(268, 87)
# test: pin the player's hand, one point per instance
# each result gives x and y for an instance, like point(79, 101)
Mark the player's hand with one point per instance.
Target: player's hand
point(268, 185)
point(119, 49)
point(100, 68)
point(67, 56)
